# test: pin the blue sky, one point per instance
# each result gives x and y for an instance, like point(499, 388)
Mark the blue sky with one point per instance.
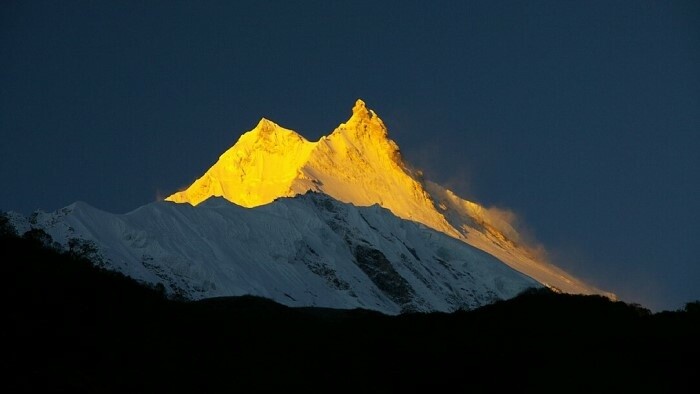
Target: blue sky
point(581, 117)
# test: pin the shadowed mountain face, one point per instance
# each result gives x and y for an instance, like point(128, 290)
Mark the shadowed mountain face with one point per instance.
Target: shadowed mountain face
point(310, 250)
point(358, 164)
point(73, 327)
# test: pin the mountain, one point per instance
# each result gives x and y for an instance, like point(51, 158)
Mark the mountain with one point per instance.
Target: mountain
point(358, 164)
point(342, 222)
point(309, 250)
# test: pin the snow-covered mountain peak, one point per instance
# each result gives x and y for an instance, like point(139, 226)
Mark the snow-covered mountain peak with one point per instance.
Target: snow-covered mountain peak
point(265, 126)
point(260, 167)
point(360, 113)
point(358, 164)
point(360, 110)
point(267, 132)
point(364, 124)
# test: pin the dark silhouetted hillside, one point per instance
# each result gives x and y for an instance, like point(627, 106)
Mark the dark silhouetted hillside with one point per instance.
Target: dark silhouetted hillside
point(73, 327)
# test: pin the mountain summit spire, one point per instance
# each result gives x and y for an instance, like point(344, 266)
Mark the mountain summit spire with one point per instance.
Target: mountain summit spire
point(360, 109)
point(360, 113)
point(365, 125)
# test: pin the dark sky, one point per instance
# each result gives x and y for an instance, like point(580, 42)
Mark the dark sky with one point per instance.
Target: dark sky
point(582, 117)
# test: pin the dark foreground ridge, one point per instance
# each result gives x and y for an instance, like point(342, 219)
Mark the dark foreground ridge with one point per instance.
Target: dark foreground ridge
point(71, 326)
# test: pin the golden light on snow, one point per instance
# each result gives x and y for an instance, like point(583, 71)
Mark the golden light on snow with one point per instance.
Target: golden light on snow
point(358, 163)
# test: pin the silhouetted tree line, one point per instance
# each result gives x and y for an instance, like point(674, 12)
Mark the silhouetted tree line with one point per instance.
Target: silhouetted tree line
point(73, 326)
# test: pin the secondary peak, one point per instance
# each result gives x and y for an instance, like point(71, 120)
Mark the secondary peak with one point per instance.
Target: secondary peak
point(266, 125)
point(269, 132)
point(267, 128)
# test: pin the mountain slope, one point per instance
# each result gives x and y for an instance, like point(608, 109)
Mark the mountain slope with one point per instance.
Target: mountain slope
point(359, 164)
point(310, 250)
